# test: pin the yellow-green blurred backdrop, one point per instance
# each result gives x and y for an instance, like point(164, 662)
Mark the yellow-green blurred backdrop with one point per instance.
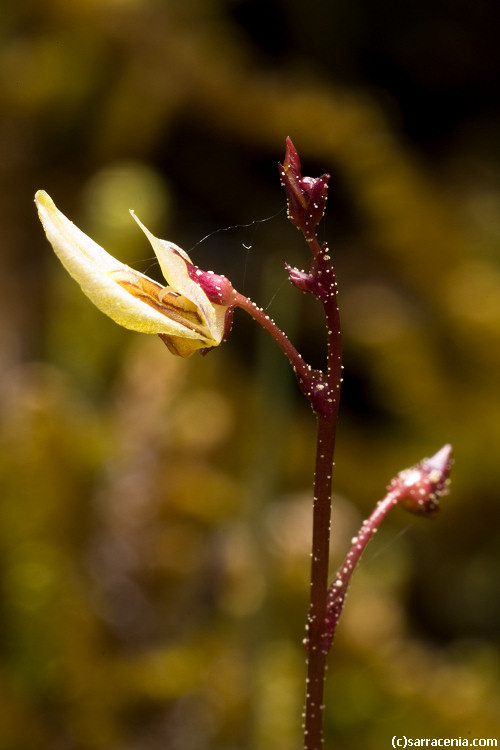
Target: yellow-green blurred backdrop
point(154, 512)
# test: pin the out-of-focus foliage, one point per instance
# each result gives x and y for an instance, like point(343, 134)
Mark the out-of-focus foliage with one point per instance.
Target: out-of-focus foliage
point(154, 513)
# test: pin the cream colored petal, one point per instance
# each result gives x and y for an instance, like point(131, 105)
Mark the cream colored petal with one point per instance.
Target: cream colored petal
point(92, 267)
point(175, 272)
point(71, 242)
point(220, 319)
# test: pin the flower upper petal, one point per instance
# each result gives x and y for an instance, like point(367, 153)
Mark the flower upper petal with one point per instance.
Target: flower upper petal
point(172, 262)
point(100, 277)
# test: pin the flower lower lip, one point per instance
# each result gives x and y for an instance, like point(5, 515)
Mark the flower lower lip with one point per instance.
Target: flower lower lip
point(156, 296)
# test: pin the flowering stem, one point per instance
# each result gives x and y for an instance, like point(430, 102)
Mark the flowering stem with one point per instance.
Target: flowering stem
point(323, 391)
point(194, 311)
point(306, 376)
point(325, 446)
point(306, 200)
point(317, 653)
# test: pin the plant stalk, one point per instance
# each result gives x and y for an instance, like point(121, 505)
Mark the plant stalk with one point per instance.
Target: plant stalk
point(318, 642)
point(317, 645)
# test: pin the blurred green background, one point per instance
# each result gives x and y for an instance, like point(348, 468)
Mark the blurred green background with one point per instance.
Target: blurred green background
point(155, 512)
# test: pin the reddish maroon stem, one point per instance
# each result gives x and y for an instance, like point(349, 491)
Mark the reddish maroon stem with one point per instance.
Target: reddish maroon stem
point(338, 589)
point(306, 198)
point(316, 658)
point(325, 447)
point(309, 380)
point(418, 490)
point(323, 392)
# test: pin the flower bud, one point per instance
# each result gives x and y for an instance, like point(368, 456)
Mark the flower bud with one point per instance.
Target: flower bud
point(418, 489)
point(302, 280)
point(306, 196)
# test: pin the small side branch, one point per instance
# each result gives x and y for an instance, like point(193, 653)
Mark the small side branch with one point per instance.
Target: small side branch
point(418, 490)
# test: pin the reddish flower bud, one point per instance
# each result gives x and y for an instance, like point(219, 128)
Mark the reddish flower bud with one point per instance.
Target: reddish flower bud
point(304, 281)
point(418, 489)
point(306, 196)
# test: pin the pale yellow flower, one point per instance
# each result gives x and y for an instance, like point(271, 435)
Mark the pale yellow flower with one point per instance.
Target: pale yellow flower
point(181, 312)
